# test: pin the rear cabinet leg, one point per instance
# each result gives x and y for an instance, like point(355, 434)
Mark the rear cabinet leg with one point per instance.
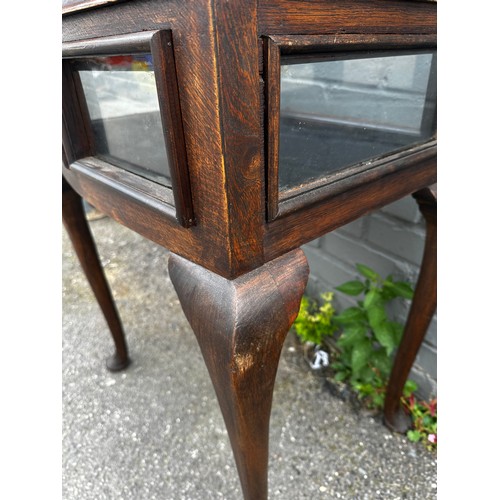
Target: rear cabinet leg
point(77, 228)
point(420, 315)
point(241, 325)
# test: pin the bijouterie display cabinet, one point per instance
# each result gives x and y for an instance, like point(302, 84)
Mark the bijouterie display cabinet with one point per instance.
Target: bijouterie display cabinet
point(232, 132)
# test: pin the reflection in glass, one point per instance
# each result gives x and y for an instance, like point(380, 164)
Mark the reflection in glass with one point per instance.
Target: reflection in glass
point(338, 113)
point(122, 100)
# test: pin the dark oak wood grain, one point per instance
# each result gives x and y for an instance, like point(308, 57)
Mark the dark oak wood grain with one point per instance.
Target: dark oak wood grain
point(421, 312)
point(76, 136)
point(170, 111)
point(241, 325)
point(345, 16)
point(238, 58)
point(272, 79)
point(315, 45)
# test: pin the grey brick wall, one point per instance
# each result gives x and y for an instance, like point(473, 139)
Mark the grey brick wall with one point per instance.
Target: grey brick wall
point(391, 241)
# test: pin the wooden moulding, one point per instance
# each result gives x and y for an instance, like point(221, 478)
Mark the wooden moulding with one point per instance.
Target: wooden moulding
point(76, 122)
point(306, 48)
point(318, 218)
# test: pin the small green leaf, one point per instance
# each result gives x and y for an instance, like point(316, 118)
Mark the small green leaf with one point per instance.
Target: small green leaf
point(351, 287)
point(368, 273)
point(352, 336)
point(427, 420)
point(372, 298)
point(360, 355)
point(351, 315)
point(327, 310)
point(378, 400)
point(382, 362)
point(384, 336)
point(365, 389)
point(387, 292)
point(367, 374)
point(340, 376)
point(397, 331)
point(414, 436)
point(402, 289)
point(376, 314)
point(356, 385)
point(327, 296)
point(409, 388)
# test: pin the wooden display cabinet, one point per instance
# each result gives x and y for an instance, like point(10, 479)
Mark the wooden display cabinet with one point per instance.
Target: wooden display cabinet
point(233, 132)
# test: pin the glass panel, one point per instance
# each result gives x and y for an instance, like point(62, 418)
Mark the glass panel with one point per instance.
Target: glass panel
point(341, 112)
point(122, 100)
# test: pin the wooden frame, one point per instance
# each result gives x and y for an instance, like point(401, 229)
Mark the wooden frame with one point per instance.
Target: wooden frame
point(318, 48)
point(78, 138)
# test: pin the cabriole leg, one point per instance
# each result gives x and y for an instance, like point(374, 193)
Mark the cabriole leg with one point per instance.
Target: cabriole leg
point(77, 228)
point(419, 317)
point(241, 325)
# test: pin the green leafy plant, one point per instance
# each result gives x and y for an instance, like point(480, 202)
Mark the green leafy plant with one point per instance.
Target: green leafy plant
point(366, 339)
point(424, 421)
point(369, 337)
point(315, 322)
